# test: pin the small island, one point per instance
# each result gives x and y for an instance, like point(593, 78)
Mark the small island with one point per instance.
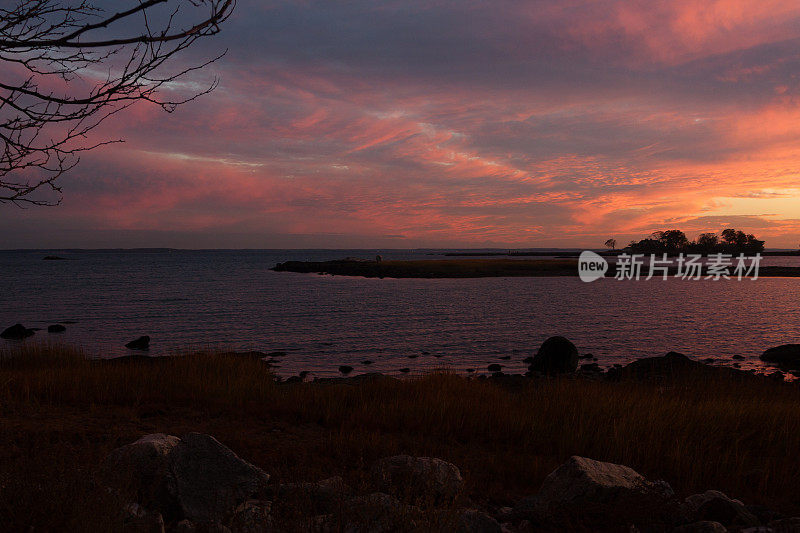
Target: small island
point(472, 268)
point(671, 243)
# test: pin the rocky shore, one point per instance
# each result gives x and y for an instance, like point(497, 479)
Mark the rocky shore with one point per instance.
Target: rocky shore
point(195, 483)
point(215, 442)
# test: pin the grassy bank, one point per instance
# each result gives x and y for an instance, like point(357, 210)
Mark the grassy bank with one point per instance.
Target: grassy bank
point(436, 268)
point(60, 414)
point(470, 268)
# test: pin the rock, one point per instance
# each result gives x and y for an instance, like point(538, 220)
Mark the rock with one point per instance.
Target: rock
point(367, 362)
point(377, 513)
point(556, 355)
point(345, 369)
point(185, 526)
point(417, 479)
point(494, 367)
point(16, 332)
point(142, 343)
point(737, 357)
point(786, 355)
point(591, 368)
point(141, 472)
point(252, 516)
point(528, 360)
point(704, 526)
point(294, 379)
point(474, 521)
point(715, 506)
point(137, 519)
point(194, 478)
point(56, 328)
point(405, 370)
point(762, 513)
point(589, 491)
point(669, 365)
point(53, 258)
point(211, 480)
point(786, 525)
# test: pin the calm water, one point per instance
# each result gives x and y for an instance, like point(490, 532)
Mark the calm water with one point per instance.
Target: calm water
point(230, 299)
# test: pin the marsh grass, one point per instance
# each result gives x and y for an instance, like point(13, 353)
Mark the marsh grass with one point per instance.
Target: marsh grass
point(60, 413)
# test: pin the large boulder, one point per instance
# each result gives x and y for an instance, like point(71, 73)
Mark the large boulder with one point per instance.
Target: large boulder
point(787, 355)
point(194, 478)
point(556, 355)
point(583, 491)
point(211, 480)
point(140, 472)
point(16, 332)
point(715, 506)
point(417, 479)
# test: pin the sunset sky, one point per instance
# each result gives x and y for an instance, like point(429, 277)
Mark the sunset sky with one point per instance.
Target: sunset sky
point(462, 123)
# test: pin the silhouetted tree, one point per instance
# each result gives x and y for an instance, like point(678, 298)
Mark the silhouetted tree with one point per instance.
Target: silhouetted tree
point(675, 241)
point(67, 66)
point(707, 242)
point(611, 243)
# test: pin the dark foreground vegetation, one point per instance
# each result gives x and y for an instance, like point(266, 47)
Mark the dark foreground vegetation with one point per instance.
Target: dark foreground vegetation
point(470, 268)
point(61, 414)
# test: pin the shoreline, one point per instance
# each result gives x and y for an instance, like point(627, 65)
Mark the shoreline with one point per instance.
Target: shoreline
point(696, 427)
point(471, 268)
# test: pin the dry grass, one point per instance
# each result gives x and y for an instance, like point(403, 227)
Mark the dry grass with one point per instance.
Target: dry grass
point(60, 414)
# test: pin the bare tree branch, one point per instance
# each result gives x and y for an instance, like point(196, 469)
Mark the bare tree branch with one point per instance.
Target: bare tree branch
point(52, 93)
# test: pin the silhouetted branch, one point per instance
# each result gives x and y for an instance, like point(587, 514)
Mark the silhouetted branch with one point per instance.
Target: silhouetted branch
point(68, 66)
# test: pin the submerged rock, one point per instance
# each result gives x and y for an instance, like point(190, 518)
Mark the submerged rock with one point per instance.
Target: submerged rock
point(142, 343)
point(56, 328)
point(16, 332)
point(556, 355)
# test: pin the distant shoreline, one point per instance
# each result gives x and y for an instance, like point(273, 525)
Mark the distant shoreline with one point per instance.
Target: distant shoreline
point(470, 268)
point(576, 253)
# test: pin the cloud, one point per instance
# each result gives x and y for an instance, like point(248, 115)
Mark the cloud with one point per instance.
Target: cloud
point(462, 123)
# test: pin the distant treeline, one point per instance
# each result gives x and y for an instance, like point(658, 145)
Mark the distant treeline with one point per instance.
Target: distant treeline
point(730, 241)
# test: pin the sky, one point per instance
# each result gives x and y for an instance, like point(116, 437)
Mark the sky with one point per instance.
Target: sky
point(464, 123)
